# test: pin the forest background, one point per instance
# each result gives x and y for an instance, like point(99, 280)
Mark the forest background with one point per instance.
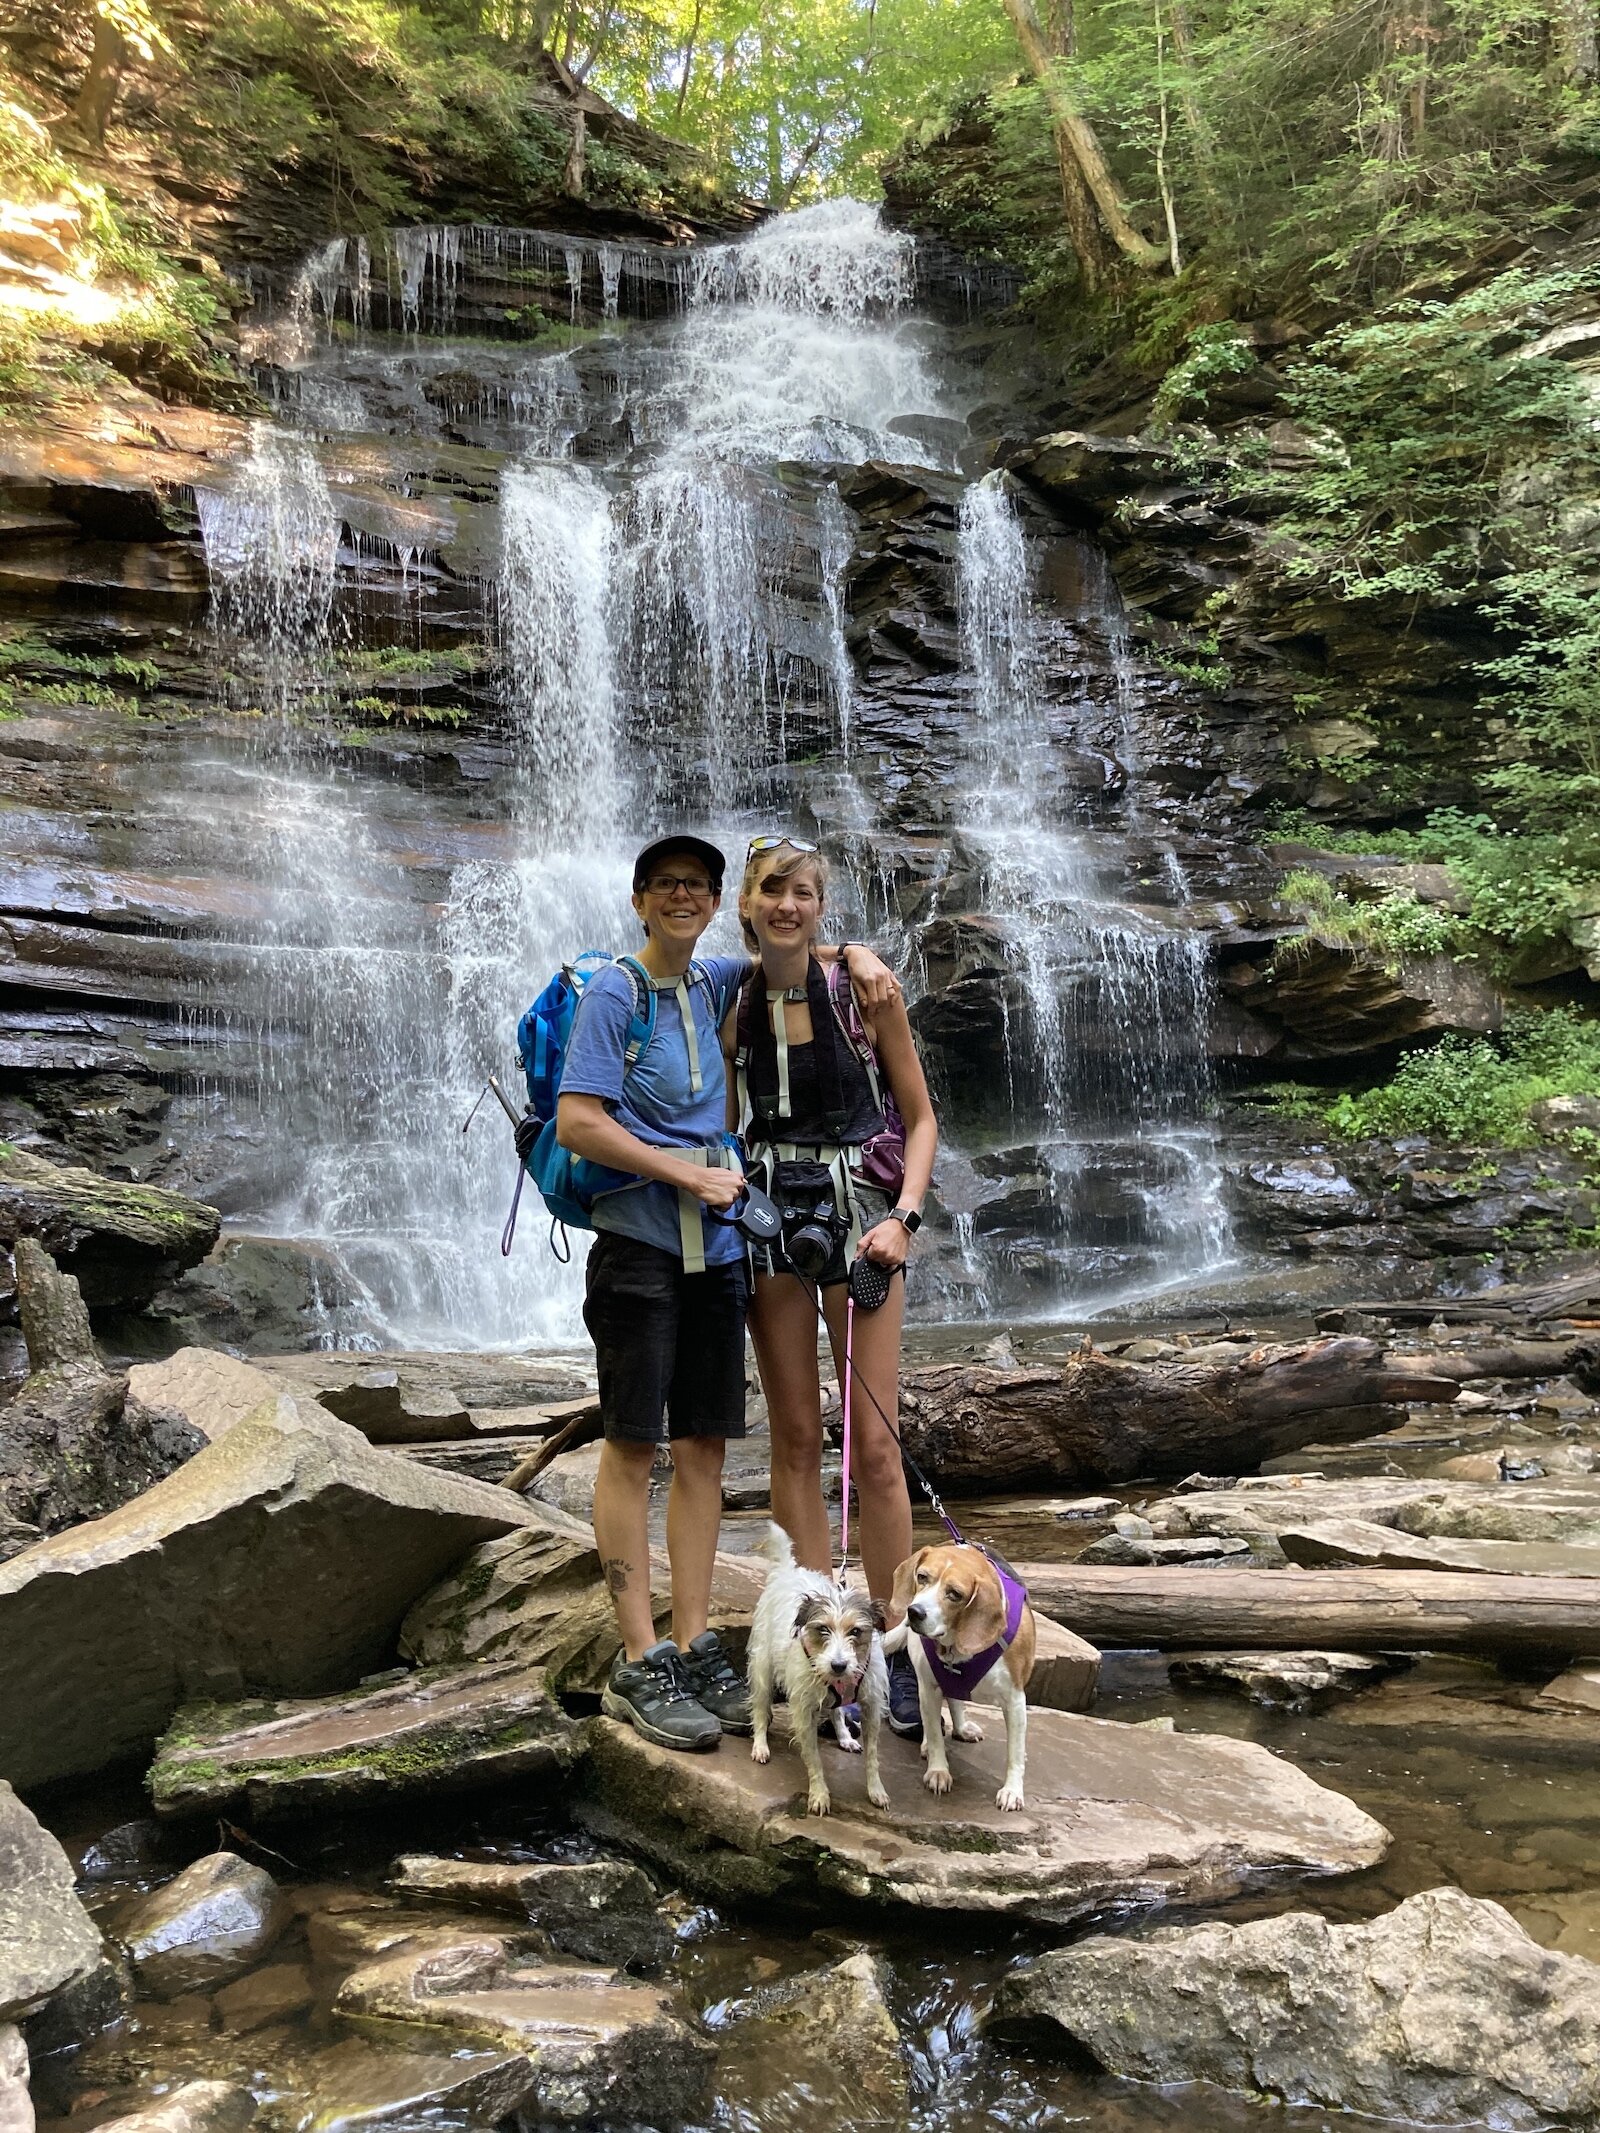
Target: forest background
point(1389, 207)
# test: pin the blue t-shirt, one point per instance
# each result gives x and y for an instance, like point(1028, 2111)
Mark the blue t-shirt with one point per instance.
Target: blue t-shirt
point(654, 1099)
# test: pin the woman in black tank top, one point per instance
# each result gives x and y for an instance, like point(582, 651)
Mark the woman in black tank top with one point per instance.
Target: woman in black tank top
point(806, 1090)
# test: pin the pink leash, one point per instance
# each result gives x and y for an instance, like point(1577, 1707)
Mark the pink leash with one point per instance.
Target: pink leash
point(844, 1483)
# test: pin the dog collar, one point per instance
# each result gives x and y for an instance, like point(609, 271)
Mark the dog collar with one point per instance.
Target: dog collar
point(957, 1680)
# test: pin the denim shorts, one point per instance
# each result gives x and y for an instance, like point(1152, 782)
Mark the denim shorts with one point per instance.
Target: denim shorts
point(669, 1345)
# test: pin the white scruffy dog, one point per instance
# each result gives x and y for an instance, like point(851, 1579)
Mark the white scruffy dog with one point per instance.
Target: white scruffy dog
point(825, 1644)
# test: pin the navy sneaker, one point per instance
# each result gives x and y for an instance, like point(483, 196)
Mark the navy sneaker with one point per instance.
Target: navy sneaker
point(905, 1705)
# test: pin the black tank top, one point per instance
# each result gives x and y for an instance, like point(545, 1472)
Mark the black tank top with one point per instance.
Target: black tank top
point(816, 1117)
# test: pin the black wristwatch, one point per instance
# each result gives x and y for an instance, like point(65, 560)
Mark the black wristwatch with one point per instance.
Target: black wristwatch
point(907, 1216)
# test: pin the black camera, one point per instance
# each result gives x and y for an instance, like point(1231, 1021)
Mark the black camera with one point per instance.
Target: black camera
point(813, 1228)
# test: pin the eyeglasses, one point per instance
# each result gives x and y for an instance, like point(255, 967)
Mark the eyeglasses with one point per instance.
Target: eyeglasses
point(692, 884)
point(774, 844)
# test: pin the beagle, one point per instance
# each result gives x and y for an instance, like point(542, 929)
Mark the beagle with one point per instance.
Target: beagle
point(970, 1630)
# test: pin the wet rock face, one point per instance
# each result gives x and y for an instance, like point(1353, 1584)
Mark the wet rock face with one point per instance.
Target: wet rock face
point(604, 1912)
point(214, 1921)
point(1286, 1680)
point(48, 1942)
point(1401, 1212)
point(600, 2047)
point(830, 2030)
point(1440, 2012)
point(193, 2107)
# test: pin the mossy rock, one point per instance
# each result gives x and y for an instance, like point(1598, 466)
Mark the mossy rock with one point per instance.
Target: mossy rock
point(441, 1729)
point(121, 1242)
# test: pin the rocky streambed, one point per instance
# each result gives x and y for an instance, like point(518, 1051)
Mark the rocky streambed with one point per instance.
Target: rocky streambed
point(322, 1828)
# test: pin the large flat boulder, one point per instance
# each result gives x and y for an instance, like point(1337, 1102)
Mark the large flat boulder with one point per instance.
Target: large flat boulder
point(47, 1939)
point(283, 1556)
point(121, 1242)
point(1440, 2012)
point(442, 1729)
point(1117, 1815)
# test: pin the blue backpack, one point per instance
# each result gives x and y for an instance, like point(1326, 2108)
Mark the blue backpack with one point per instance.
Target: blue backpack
point(570, 1184)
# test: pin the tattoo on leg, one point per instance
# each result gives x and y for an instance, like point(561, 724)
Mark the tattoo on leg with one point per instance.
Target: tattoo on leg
point(618, 1569)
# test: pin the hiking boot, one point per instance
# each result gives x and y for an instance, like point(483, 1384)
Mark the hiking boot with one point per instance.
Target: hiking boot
point(652, 1696)
point(905, 1705)
point(709, 1675)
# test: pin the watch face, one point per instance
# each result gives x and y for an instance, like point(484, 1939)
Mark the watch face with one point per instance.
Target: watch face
point(912, 1221)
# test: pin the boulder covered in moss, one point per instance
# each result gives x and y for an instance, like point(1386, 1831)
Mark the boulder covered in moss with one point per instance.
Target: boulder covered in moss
point(120, 1242)
point(443, 1729)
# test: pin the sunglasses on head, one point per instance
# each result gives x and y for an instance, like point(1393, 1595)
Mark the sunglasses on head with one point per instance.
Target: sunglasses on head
point(777, 844)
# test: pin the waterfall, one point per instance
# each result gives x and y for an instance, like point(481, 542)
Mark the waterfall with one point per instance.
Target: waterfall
point(657, 554)
point(1112, 1045)
point(555, 597)
point(271, 539)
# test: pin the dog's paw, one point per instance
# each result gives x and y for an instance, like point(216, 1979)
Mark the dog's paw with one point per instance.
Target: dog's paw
point(760, 1752)
point(969, 1730)
point(937, 1781)
point(1009, 1799)
point(946, 1722)
point(850, 1744)
point(819, 1801)
point(877, 1795)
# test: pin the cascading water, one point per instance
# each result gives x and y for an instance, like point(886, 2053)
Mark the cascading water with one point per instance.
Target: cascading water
point(664, 580)
point(1109, 1055)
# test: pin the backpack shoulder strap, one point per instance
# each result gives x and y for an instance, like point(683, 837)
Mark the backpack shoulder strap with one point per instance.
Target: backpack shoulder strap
point(642, 1023)
point(842, 999)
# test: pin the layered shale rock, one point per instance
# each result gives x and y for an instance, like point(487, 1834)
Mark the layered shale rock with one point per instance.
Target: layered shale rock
point(283, 1556)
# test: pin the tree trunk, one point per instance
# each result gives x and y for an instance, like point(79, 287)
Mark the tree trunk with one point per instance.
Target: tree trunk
point(1075, 141)
point(1194, 119)
point(98, 95)
point(1580, 41)
point(1507, 1359)
point(55, 1325)
point(1098, 1420)
point(688, 56)
point(1318, 1610)
point(572, 178)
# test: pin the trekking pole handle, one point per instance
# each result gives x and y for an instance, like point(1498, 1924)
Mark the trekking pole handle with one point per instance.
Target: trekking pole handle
point(505, 1102)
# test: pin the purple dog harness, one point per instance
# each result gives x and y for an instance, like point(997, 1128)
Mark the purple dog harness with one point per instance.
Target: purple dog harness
point(958, 1682)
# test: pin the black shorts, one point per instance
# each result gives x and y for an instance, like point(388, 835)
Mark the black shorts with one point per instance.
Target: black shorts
point(670, 1345)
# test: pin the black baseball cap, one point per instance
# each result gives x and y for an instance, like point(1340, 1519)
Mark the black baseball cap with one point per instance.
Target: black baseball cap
point(708, 855)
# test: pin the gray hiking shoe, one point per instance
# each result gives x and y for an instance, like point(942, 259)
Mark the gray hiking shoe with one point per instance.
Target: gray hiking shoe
point(715, 1686)
point(652, 1695)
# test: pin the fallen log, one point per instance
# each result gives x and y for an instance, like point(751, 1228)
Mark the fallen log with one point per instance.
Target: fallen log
point(1506, 1359)
point(1096, 1418)
point(1332, 1610)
